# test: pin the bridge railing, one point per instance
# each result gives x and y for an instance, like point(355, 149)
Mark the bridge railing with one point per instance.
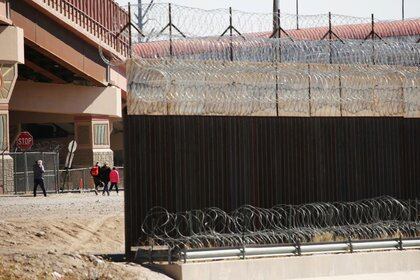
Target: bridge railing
point(101, 18)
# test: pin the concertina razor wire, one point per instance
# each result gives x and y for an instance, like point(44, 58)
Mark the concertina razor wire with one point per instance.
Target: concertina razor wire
point(247, 225)
point(190, 69)
point(192, 87)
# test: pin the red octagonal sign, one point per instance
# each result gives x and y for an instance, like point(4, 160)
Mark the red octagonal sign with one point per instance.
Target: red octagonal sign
point(24, 141)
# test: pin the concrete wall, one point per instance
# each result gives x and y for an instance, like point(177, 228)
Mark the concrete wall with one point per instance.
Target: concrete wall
point(66, 99)
point(298, 267)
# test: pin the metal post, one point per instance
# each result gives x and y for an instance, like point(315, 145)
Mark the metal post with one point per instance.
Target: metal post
point(170, 29)
point(402, 9)
point(350, 244)
point(230, 33)
point(373, 39)
point(56, 173)
point(15, 171)
point(139, 16)
point(297, 14)
point(2, 167)
point(278, 31)
point(340, 90)
point(275, 15)
point(25, 162)
point(309, 90)
point(129, 30)
point(330, 35)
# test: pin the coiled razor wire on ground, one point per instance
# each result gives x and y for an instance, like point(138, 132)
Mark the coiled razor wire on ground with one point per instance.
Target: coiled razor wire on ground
point(212, 227)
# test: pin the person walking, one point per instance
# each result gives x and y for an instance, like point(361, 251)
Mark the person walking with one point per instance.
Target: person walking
point(94, 172)
point(104, 173)
point(39, 171)
point(114, 177)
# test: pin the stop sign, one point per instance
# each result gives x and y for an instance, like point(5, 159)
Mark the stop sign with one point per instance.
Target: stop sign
point(24, 141)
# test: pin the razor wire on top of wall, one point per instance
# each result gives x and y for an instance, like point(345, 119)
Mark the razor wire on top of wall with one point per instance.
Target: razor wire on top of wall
point(194, 87)
point(212, 227)
point(190, 61)
point(160, 21)
point(164, 24)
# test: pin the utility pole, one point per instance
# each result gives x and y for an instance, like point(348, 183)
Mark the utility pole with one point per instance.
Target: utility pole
point(275, 15)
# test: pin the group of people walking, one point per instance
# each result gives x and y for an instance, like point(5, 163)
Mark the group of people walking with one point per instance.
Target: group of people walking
point(105, 177)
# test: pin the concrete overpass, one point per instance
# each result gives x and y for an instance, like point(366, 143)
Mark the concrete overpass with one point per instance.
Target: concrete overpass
point(52, 73)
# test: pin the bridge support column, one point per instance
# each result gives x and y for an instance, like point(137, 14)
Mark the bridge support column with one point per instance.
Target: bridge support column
point(93, 138)
point(6, 161)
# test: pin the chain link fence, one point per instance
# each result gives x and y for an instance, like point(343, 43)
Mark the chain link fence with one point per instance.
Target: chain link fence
point(79, 179)
point(16, 174)
point(23, 170)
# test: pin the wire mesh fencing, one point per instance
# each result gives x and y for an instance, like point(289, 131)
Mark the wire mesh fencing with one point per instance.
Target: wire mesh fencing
point(23, 178)
point(79, 179)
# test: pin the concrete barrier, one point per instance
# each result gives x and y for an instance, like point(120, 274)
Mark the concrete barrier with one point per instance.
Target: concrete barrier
point(298, 267)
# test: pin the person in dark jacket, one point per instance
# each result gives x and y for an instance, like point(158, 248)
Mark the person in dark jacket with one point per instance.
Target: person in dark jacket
point(39, 171)
point(104, 173)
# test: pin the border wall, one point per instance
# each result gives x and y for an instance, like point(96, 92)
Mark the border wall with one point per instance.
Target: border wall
point(192, 162)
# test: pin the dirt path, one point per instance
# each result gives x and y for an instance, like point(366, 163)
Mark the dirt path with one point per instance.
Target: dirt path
point(56, 238)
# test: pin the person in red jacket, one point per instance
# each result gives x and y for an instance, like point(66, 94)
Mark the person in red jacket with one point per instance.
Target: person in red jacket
point(114, 178)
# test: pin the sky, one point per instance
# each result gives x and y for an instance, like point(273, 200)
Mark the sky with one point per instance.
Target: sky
point(383, 9)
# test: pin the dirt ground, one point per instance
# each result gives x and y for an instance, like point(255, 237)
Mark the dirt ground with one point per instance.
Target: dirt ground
point(60, 236)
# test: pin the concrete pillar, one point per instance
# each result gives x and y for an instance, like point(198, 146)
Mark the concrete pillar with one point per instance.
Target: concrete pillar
point(93, 138)
point(8, 76)
point(6, 161)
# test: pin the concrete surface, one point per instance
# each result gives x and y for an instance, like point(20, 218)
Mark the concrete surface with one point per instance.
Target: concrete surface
point(360, 265)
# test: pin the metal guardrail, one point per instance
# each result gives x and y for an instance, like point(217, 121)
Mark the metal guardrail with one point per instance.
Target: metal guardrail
point(297, 249)
point(99, 18)
point(164, 253)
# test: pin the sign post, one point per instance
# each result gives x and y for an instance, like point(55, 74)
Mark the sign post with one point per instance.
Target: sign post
point(69, 161)
point(25, 142)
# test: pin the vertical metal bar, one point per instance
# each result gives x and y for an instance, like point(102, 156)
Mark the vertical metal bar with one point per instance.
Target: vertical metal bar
point(170, 29)
point(25, 162)
point(278, 60)
point(309, 90)
point(139, 17)
point(297, 14)
point(275, 15)
point(3, 169)
point(55, 171)
point(373, 39)
point(129, 30)
point(340, 90)
point(330, 35)
point(279, 34)
point(402, 9)
point(15, 172)
point(230, 33)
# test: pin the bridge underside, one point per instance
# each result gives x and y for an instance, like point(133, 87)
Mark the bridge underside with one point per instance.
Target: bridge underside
point(54, 84)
